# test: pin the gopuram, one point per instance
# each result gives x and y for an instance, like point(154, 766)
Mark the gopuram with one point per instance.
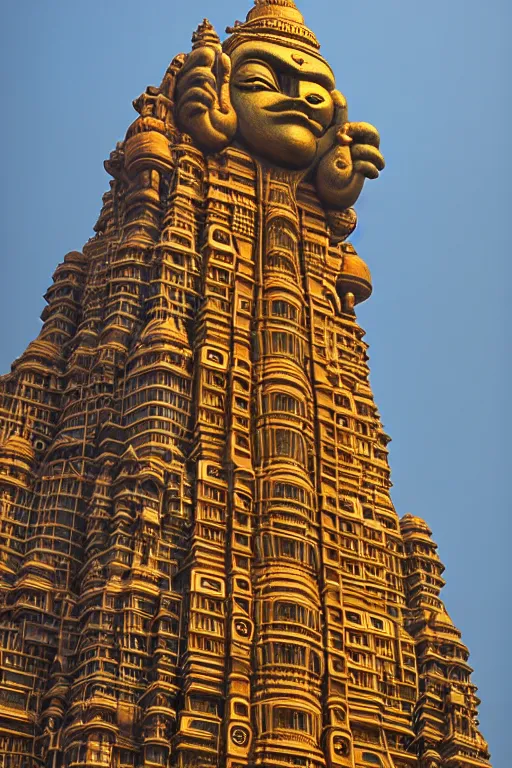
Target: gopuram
point(200, 562)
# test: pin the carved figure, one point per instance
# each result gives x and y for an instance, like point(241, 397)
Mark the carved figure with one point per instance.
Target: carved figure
point(275, 96)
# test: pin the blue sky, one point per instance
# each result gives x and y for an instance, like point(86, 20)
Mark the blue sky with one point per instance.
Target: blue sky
point(434, 229)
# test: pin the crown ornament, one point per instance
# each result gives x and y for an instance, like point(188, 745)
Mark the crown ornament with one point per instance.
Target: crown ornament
point(276, 21)
point(205, 34)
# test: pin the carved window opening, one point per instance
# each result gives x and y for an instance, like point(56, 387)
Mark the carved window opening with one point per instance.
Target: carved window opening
point(362, 679)
point(371, 759)
point(214, 379)
point(281, 263)
point(215, 357)
point(332, 575)
point(241, 384)
point(315, 665)
point(211, 584)
point(204, 704)
point(289, 444)
point(242, 520)
point(291, 612)
point(219, 235)
point(337, 640)
point(289, 491)
point(205, 725)
point(292, 719)
point(351, 566)
point(283, 343)
point(150, 489)
point(359, 639)
point(243, 500)
point(280, 308)
point(279, 236)
point(243, 604)
point(287, 403)
point(284, 441)
point(218, 275)
point(288, 653)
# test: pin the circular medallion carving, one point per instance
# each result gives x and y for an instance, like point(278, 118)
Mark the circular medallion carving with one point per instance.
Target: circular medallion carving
point(340, 746)
point(239, 736)
point(243, 628)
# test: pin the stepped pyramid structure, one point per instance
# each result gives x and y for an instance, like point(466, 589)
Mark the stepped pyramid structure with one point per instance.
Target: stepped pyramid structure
point(200, 563)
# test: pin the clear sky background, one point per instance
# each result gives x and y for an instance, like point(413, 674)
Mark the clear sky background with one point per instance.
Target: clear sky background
point(435, 230)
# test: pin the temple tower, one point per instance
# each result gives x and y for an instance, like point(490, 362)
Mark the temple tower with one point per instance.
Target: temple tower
point(200, 562)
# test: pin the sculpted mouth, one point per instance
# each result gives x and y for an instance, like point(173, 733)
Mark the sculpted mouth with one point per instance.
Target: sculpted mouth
point(297, 116)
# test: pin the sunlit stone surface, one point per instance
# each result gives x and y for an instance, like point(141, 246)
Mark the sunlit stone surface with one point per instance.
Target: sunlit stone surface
point(199, 559)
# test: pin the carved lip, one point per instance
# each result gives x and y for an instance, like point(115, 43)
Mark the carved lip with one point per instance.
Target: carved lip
point(295, 115)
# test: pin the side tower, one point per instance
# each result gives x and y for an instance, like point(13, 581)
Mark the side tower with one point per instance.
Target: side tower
point(200, 562)
point(446, 710)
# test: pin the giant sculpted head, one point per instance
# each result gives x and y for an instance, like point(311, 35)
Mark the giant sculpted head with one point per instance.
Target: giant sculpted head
point(268, 90)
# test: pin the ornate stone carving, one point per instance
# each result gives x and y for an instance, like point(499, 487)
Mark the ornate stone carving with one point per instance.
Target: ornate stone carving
point(200, 562)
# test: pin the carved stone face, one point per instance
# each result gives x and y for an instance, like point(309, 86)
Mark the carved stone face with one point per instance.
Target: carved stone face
point(282, 98)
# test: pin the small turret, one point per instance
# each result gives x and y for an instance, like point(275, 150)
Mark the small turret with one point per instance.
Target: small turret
point(354, 283)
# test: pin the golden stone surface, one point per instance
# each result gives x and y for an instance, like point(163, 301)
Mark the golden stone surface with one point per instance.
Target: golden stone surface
point(200, 563)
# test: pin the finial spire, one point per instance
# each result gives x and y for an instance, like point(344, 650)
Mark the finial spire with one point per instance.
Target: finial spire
point(286, 8)
point(278, 21)
point(284, 3)
point(205, 34)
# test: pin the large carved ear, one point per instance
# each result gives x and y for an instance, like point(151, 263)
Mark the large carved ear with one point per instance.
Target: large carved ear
point(203, 106)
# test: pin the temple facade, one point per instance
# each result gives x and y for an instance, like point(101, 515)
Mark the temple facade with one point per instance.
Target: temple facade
point(200, 562)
